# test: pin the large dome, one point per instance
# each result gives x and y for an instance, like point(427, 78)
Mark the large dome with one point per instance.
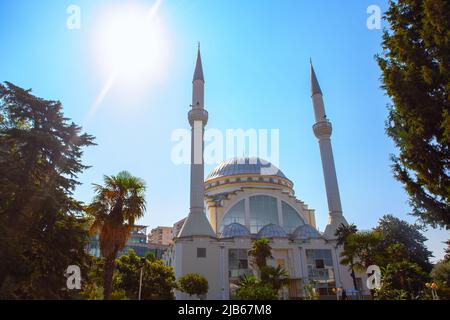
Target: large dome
point(245, 165)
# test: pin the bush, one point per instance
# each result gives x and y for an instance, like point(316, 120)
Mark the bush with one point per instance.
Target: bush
point(193, 284)
point(257, 291)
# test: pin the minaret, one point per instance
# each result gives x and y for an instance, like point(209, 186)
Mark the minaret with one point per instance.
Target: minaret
point(196, 223)
point(323, 129)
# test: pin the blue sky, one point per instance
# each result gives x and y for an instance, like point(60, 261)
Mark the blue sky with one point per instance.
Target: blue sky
point(256, 64)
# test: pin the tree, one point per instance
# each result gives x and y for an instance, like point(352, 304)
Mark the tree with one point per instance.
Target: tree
point(447, 251)
point(261, 251)
point(349, 253)
point(441, 273)
point(271, 279)
point(114, 209)
point(193, 284)
point(252, 289)
point(367, 246)
point(92, 285)
point(343, 231)
point(42, 230)
point(158, 280)
point(277, 277)
point(396, 231)
point(402, 280)
point(415, 66)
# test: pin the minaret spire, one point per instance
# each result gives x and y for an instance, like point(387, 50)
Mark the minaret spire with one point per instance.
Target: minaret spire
point(315, 87)
point(323, 130)
point(198, 73)
point(196, 223)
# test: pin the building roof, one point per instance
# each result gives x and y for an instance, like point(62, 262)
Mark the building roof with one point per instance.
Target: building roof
point(245, 165)
point(234, 230)
point(305, 232)
point(272, 231)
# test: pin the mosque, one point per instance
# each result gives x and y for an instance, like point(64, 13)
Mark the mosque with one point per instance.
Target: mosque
point(244, 199)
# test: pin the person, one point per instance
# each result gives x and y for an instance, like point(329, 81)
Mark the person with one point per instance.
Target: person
point(344, 294)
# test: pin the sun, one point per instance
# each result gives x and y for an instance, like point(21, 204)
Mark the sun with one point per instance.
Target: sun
point(130, 50)
point(129, 39)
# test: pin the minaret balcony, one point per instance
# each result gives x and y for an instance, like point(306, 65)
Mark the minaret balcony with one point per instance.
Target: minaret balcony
point(323, 129)
point(198, 115)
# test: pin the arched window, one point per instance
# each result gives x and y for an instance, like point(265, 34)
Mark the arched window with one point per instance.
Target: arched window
point(291, 219)
point(263, 211)
point(235, 214)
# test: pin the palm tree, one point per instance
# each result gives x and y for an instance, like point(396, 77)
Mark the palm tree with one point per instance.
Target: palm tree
point(277, 277)
point(343, 231)
point(115, 208)
point(261, 251)
point(361, 249)
point(247, 280)
point(348, 258)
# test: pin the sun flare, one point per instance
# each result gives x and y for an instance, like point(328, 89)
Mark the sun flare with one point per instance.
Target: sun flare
point(131, 47)
point(130, 39)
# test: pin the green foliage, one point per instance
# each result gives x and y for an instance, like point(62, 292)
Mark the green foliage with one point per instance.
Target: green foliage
point(361, 249)
point(343, 231)
point(366, 246)
point(396, 231)
point(394, 245)
point(447, 251)
point(261, 251)
point(310, 294)
point(402, 280)
point(247, 280)
point(41, 229)
point(92, 285)
point(115, 208)
point(441, 273)
point(158, 280)
point(271, 279)
point(118, 295)
point(256, 291)
point(193, 284)
point(416, 75)
point(276, 278)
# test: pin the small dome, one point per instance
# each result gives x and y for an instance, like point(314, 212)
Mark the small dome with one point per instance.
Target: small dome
point(305, 232)
point(272, 231)
point(246, 165)
point(234, 230)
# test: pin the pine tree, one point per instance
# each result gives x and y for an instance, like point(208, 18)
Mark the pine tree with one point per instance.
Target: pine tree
point(415, 68)
point(41, 230)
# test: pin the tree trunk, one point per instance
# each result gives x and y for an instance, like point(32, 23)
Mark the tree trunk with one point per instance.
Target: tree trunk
point(354, 278)
point(110, 264)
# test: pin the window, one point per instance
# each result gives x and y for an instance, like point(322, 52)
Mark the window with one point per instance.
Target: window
point(291, 218)
point(237, 267)
point(263, 211)
point(201, 252)
point(235, 215)
point(237, 262)
point(320, 264)
point(320, 270)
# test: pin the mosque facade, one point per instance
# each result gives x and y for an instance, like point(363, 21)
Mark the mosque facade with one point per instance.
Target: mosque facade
point(245, 199)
